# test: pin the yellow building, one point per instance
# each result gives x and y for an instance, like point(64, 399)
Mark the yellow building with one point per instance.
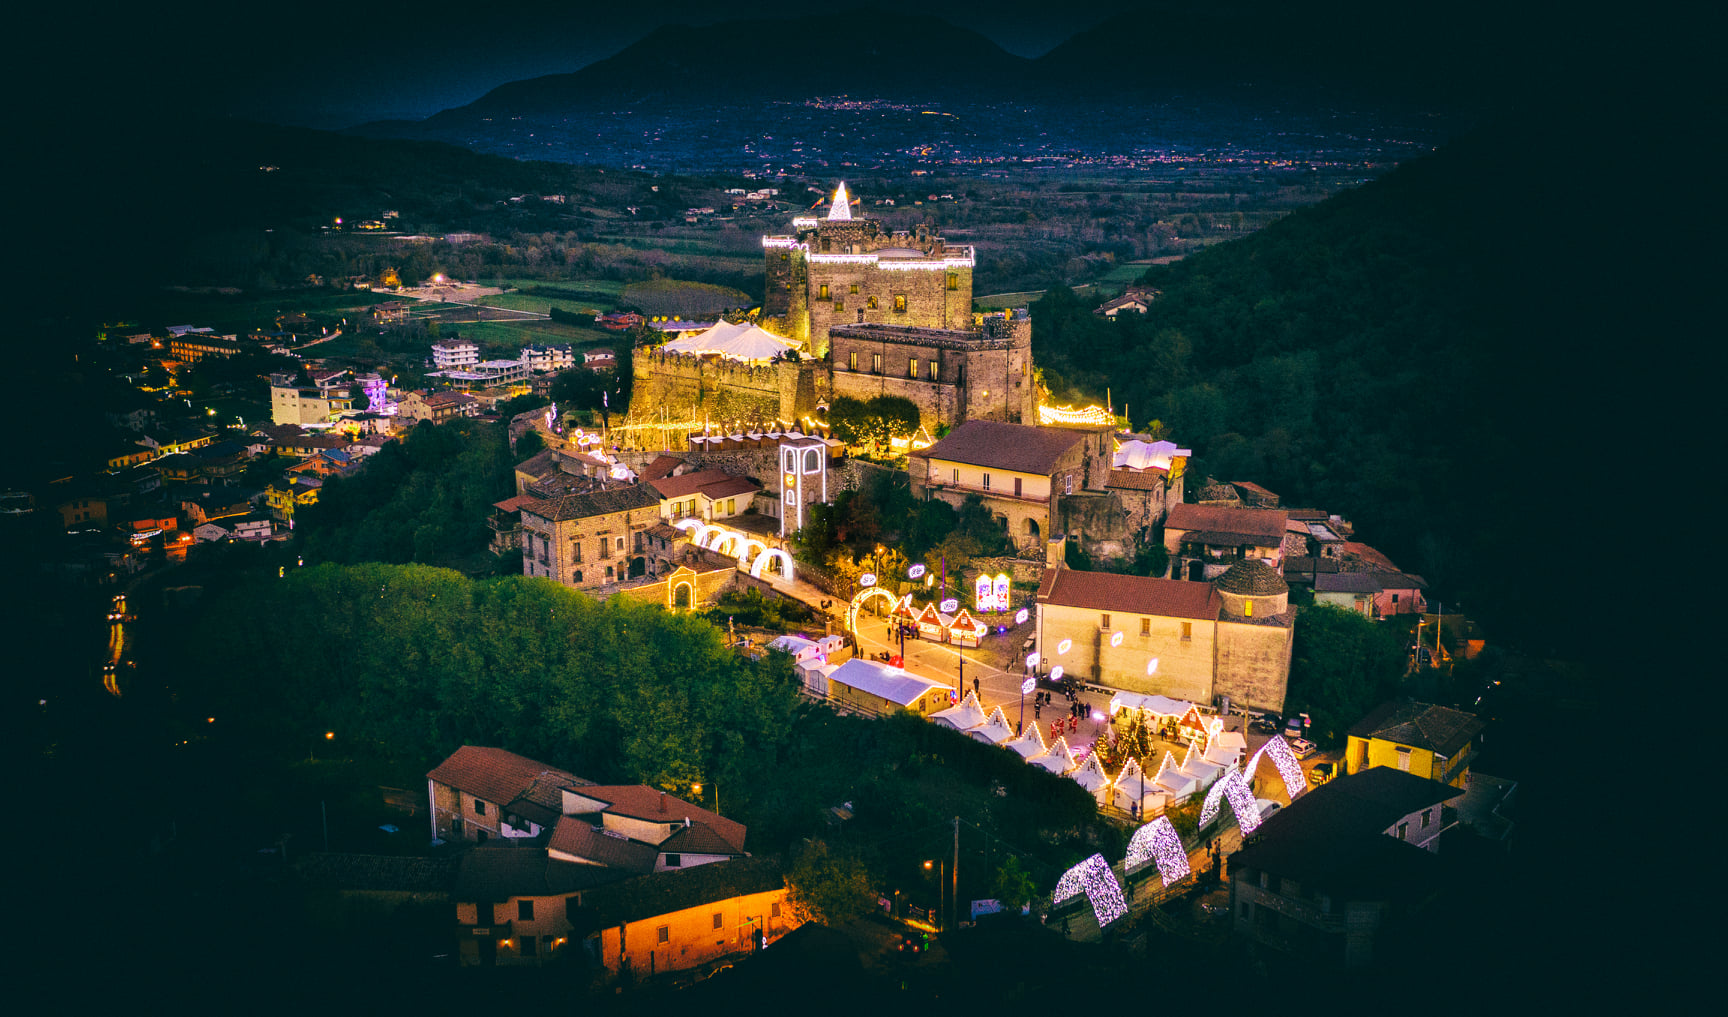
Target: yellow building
point(283, 498)
point(673, 921)
point(1420, 738)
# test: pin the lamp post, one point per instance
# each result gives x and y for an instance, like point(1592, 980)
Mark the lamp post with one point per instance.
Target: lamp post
point(696, 788)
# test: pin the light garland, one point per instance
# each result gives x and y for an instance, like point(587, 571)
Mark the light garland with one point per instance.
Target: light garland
point(1285, 760)
point(1092, 415)
point(1159, 843)
point(1093, 878)
point(1233, 787)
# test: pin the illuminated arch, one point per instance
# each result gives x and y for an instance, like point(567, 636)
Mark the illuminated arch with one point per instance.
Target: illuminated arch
point(752, 549)
point(1284, 760)
point(1093, 878)
point(773, 554)
point(689, 597)
point(701, 534)
point(720, 538)
point(687, 525)
point(1235, 788)
point(1157, 843)
point(858, 602)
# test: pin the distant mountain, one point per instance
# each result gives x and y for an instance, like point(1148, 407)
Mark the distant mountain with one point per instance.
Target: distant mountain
point(862, 53)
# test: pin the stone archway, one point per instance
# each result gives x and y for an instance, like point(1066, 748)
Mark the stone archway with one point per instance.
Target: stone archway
point(683, 595)
point(773, 554)
point(638, 567)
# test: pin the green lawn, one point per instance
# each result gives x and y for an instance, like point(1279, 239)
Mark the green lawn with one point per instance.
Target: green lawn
point(519, 333)
point(519, 302)
point(998, 301)
point(1125, 273)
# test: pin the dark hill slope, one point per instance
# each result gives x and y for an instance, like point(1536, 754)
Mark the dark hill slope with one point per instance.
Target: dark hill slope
point(1416, 354)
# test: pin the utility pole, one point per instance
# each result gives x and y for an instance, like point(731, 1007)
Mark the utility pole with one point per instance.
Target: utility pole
point(954, 892)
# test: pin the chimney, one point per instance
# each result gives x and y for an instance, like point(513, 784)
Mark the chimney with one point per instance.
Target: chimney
point(662, 801)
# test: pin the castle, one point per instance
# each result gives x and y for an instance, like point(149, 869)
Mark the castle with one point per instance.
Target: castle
point(876, 313)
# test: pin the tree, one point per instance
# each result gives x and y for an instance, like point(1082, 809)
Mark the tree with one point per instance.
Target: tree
point(1012, 885)
point(826, 887)
point(529, 445)
point(1342, 666)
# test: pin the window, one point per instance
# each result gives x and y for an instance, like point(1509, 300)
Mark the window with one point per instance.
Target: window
point(839, 305)
point(852, 361)
point(479, 807)
point(608, 572)
point(875, 363)
point(912, 367)
point(1427, 817)
point(1187, 631)
point(1394, 598)
point(576, 549)
point(774, 910)
point(525, 910)
point(956, 474)
point(1103, 621)
point(1145, 627)
point(1404, 759)
point(986, 481)
point(854, 288)
point(1403, 831)
point(900, 302)
point(576, 576)
point(822, 294)
point(870, 302)
point(719, 920)
point(674, 861)
point(663, 934)
point(1016, 487)
point(731, 506)
point(933, 370)
point(953, 280)
point(1068, 484)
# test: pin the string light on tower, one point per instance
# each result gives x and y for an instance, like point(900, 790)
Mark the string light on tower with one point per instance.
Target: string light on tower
point(1093, 878)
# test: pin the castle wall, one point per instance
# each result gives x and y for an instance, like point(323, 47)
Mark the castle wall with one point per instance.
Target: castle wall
point(1254, 664)
point(689, 388)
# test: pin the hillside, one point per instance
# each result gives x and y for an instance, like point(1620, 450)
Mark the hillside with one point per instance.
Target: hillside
point(1414, 354)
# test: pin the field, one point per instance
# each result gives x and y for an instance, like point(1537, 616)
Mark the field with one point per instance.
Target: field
point(998, 301)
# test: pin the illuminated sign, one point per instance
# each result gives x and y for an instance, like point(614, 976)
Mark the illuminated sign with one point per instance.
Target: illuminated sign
point(915, 572)
point(1028, 685)
point(1020, 616)
point(867, 579)
point(1056, 673)
point(1031, 660)
point(949, 606)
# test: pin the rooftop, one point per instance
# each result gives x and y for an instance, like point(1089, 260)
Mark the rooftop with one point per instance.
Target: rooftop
point(910, 335)
point(1419, 725)
point(1107, 591)
point(498, 873)
point(594, 503)
point(665, 892)
point(639, 801)
point(1252, 578)
point(499, 775)
point(714, 483)
point(1262, 523)
point(1019, 448)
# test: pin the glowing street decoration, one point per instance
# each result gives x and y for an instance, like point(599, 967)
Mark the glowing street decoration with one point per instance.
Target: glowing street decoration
point(1091, 415)
point(1031, 660)
point(1064, 646)
point(1152, 666)
point(841, 210)
point(1093, 878)
point(1115, 639)
point(858, 601)
point(915, 572)
point(1020, 616)
point(1158, 843)
point(1056, 673)
point(1027, 686)
point(867, 579)
point(949, 606)
point(983, 598)
point(1284, 760)
point(1002, 591)
point(1233, 787)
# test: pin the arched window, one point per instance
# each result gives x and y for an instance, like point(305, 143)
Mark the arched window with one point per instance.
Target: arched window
point(576, 576)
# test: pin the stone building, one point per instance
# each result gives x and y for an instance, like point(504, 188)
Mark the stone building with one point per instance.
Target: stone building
point(1020, 472)
point(1206, 540)
point(841, 270)
point(589, 540)
point(1193, 641)
point(952, 375)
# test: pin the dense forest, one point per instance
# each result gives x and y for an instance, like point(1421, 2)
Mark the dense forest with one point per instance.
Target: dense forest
point(1403, 354)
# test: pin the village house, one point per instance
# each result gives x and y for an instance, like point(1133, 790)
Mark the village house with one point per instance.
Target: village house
point(437, 407)
point(1435, 742)
point(1199, 642)
point(1018, 471)
point(1348, 863)
point(1205, 540)
point(589, 540)
point(707, 495)
point(455, 353)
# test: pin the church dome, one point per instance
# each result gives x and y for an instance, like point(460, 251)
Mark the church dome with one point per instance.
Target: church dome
point(1251, 579)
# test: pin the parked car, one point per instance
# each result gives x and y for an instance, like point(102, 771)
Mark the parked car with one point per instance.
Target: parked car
point(1267, 725)
point(1303, 748)
point(1321, 773)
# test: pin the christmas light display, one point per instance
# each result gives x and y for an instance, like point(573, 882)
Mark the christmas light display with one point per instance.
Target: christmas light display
point(1056, 673)
point(915, 572)
point(1152, 666)
point(1064, 646)
point(1091, 415)
point(1235, 788)
point(949, 606)
point(1031, 660)
point(1020, 616)
point(1093, 878)
point(1158, 843)
point(1115, 639)
point(867, 579)
point(1285, 760)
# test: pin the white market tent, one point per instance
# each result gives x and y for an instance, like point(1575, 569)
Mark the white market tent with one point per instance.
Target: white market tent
point(1140, 455)
point(800, 648)
point(1058, 758)
point(894, 684)
point(1162, 706)
point(1131, 786)
point(1227, 749)
point(815, 675)
point(996, 730)
point(735, 342)
point(1092, 777)
point(1194, 764)
point(965, 717)
point(1173, 781)
point(1029, 744)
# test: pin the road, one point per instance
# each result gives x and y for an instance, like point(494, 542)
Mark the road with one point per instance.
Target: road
point(116, 645)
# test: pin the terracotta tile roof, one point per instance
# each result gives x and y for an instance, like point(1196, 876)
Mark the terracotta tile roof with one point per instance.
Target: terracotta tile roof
point(692, 483)
point(1249, 487)
point(1363, 553)
point(578, 837)
point(1267, 524)
point(1334, 837)
point(1420, 725)
point(730, 487)
point(500, 776)
point(1107, 592)
point(698, 839)
point(513, 504)
point(499, 873)
point(661, 467)
point(639, 801)
point(666, 892)
point(1137, 480)
point(594, 503)
point(1346, 582)
point(1017, 447)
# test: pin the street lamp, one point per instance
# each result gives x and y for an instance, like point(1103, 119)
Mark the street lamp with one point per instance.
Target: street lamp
point(696, 789)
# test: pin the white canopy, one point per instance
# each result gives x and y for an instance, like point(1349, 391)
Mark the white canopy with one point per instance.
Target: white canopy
point(996, 730)
point(965, 717)
point(1140, 455)
point(1171, 779)
point(1029, 744)
point(1091, 775)
point(1058, 758)
point(1163, 706)
point(735, 342)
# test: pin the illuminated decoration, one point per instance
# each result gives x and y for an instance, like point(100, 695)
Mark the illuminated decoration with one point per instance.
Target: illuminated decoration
point(1002, 584)
point(1031, 660)
point(949, 606)
point(915, 572)
point(1152, 666)
point(1115, 639)
point(1093, 878)
point(1056, 673)
point(1020, 616)
point(1284, 760)
point(1058, 758)
point(805, 222)
point(1064, 646)
point(773, 554)
point(858, 601)
point(1027, 686)
point(1091, 415)
point(780, 241)
point(1233, 787)
point(867, 579)
point(956, 258)
point(841, 209)
point(984, 596)
point(1158, 843)
point(965, 630)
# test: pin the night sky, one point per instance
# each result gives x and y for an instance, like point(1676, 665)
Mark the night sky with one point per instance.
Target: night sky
point(329, 64)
